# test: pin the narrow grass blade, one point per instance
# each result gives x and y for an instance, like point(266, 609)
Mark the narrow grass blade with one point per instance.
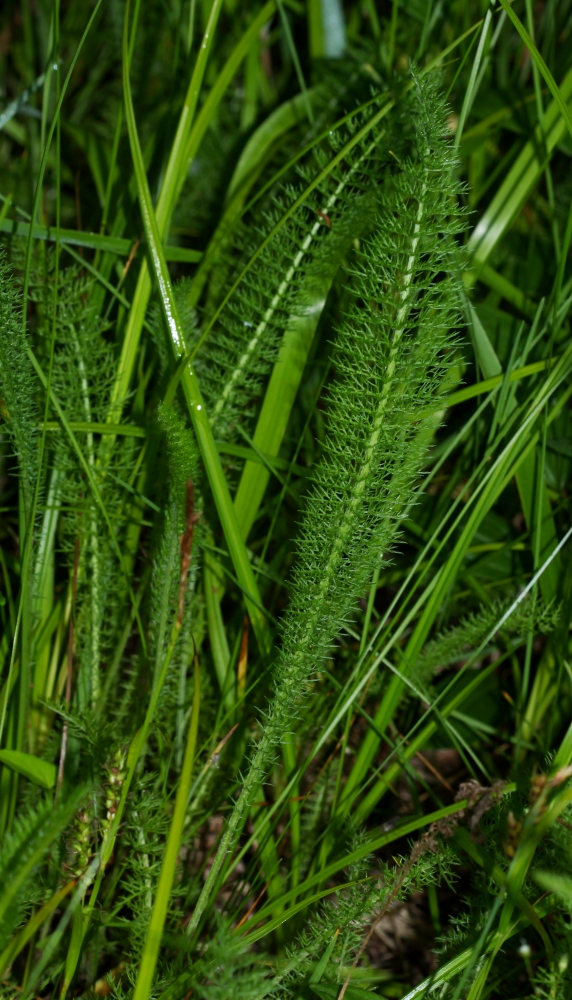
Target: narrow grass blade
point(368, 847)
point(150, 952)
point(519, 182)
point(550, 81)
point(185, 145)
point(93, 241)
point(195, 402)
point(277, 406)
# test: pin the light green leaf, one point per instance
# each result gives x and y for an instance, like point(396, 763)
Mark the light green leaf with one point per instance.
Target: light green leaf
point(486, 354)
point(323, 963)
point(41, 772)
point(93, 241)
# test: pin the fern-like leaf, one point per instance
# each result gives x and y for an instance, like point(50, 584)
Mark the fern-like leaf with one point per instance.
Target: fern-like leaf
point(17, 389)
point(393, 352)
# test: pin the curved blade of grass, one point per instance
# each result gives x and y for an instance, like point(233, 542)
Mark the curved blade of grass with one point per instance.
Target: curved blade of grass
point(488, 384)
point(472, 86)
point(223, 80)
point(539, 518)
point(278, 123)
point(277, 922)
point(532, 489)
point(323, 963)
point(277, 406)
point(498, 283)
point(295, 59)
point(286, 376)
point(44, 571)
point(195, 402)
point(19, 942)
point(212, 587)
point(458, 964)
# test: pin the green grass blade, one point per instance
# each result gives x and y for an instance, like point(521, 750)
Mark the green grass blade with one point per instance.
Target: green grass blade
point(372, 844)
point(92, 241)
point(472, 86)
point(152, 945)
point(212, 588)
point(416, 743)
point(277, 406)
point(550, 81)
point(519, 182)
point(195, 402)
point(185, 145)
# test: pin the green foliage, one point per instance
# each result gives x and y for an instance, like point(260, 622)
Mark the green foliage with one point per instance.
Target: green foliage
point(229, 967)
point(528, 618)
point(183, 468)
point(393, 351)
point(23, 851)
point(285, 587)
point(274, 262)
point(17, 386)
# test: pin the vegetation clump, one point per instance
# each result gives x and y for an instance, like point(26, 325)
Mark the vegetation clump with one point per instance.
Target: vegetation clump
point(285, 593)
